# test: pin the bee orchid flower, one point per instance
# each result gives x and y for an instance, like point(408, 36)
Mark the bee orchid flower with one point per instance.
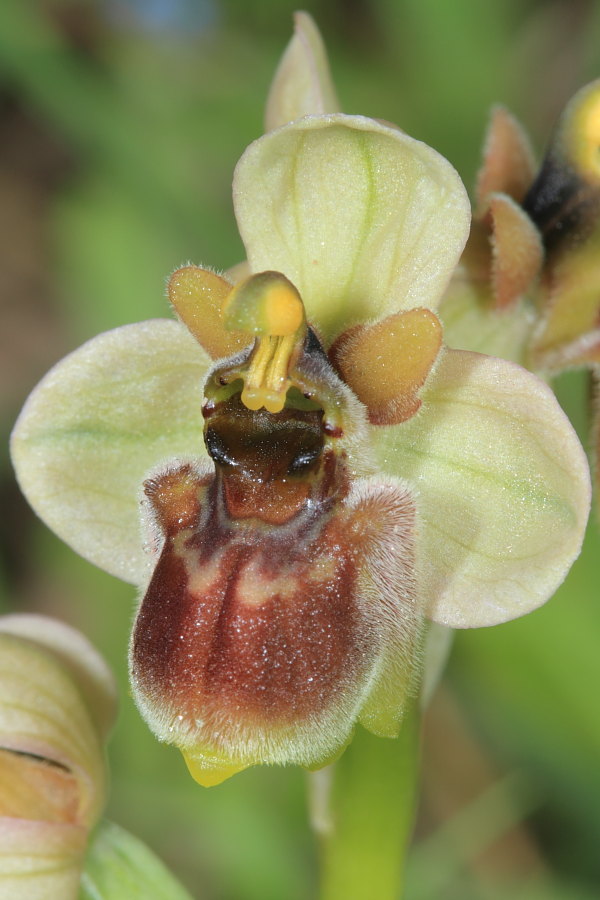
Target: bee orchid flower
point(317, 474)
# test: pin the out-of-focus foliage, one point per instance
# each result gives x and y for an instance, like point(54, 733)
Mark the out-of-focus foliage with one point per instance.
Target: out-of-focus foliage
point(120, 124)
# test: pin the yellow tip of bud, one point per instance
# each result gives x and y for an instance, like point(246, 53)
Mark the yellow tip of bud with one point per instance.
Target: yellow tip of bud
point(582, 126)
point(264, 304)
point(208, 772)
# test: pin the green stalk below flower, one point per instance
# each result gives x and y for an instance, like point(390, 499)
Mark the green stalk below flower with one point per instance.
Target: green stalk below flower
point(372, 806)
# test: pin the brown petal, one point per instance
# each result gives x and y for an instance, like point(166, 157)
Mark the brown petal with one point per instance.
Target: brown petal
point(388, 362)
point(508, 163)
point(198, 296)
point(517, 252)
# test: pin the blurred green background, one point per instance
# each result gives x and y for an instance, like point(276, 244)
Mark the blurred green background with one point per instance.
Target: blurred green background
point(120, 124)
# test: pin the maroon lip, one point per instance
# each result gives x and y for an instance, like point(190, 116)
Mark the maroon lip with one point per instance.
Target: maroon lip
point(265, 629)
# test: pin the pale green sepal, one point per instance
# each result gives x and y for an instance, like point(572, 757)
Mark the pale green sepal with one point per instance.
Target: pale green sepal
point(302, 85)
point(97, 424)
point(364, 220)
point(120, 867)
point(503, 489)
point(471, 323)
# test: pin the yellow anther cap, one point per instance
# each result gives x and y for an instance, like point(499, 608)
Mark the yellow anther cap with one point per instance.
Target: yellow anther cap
point(267, 303)
point(269, 306)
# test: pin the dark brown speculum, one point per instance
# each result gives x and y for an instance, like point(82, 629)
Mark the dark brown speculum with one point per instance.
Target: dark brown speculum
point(266, 463)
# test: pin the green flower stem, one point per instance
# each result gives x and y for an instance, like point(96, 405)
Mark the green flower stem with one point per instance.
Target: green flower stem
point(372, 805)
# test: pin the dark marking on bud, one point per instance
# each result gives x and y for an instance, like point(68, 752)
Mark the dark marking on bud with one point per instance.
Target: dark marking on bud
point(562, 205)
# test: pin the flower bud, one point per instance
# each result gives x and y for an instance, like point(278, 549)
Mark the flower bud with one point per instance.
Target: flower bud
point(56, 703)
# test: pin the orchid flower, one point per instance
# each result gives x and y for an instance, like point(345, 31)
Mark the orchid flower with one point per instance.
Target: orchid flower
point(317, 473)
point(528, 287)
point(532, 255)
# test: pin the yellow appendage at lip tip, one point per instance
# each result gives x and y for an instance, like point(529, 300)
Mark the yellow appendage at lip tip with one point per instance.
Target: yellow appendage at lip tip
point(269, 306)
point(211, 775)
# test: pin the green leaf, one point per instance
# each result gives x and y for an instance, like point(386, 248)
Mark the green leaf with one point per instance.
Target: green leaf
point(121, 867)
